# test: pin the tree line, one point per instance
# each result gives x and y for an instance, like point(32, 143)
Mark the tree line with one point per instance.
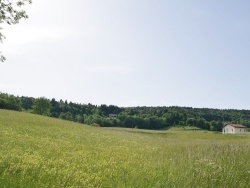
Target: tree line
point(131, 117)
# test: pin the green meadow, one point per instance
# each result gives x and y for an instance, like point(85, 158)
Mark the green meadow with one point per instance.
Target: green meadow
point(38, 151)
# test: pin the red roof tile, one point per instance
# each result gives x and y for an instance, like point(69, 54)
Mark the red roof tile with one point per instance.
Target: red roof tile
point(238, 126)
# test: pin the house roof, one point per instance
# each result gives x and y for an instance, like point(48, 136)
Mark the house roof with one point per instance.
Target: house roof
point(237, 125)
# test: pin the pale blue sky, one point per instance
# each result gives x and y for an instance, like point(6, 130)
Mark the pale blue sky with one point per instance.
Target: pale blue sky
point(132, 53)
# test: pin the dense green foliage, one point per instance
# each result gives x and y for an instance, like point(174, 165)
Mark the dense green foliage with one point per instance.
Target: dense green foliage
point(41, 106)
point(38, 151)
point(131, 117)
point(10, 102)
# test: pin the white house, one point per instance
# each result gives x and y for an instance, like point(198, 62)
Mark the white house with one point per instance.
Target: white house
point(234, 129)
point(112, 115)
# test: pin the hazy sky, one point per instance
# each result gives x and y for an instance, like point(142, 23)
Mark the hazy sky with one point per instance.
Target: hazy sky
point(132, 52)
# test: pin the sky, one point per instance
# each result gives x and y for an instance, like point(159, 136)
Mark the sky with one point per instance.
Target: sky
point(131, 53)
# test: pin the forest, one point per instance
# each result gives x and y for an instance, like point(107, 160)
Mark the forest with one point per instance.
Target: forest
point(131, 117)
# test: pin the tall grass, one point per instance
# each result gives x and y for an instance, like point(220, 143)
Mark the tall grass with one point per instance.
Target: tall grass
point(38, 151)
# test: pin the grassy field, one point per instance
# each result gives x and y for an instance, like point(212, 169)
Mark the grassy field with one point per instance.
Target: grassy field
point(38, 151)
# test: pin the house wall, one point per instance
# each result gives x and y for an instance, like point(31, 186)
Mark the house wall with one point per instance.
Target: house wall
point(228, 129)
point(240, 130)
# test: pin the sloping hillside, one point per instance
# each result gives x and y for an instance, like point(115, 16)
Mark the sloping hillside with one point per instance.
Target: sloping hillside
point(38, 151)
point(152, 118)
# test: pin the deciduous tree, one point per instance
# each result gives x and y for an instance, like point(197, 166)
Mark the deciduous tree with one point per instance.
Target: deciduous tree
point(41, 106)
point(11, 12)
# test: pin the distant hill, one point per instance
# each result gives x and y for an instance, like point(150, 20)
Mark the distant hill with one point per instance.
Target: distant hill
point(131, 117)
